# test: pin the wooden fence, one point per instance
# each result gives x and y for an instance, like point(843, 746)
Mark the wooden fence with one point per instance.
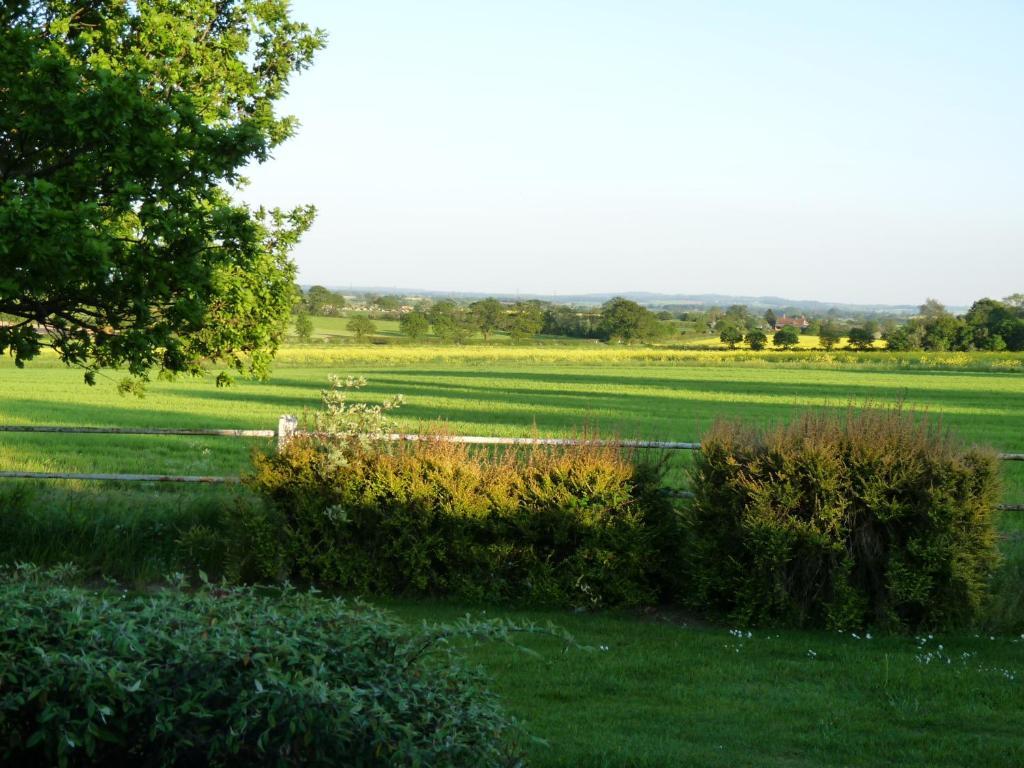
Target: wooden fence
point(287, 427)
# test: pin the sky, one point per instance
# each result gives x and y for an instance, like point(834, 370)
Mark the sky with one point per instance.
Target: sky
point(867, 152)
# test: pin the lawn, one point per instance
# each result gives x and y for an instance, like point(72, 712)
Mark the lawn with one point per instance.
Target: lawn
point(659, 690)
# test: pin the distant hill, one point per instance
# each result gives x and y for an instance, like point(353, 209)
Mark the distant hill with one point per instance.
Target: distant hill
point(811, 306)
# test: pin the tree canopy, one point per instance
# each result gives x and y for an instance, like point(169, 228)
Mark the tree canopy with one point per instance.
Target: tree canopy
point(988, 325)
point(786, 337)
point(625, 320)
point(123, 130)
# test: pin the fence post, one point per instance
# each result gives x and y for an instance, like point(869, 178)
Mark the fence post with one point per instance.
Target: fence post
point(286, 427)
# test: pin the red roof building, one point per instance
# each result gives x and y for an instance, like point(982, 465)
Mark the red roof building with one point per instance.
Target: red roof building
point(791, 322)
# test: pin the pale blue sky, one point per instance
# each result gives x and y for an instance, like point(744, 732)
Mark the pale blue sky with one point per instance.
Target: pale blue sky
point(844, 151)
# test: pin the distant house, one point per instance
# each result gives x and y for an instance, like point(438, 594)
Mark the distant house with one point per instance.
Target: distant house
point(791, 322)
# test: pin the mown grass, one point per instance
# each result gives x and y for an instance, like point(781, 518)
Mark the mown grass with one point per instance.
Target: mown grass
point(659, 690)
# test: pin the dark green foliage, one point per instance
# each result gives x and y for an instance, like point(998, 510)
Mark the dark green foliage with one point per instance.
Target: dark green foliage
point(861, 337)
point(322, 301)
point(875, 518)
point(574, 526)
point(123, 128)
point(452, 322)
point(361, 326)
point(786, 337)
point(829, 335)
point(731, 335)
point(525, 320)
point(303, 327)
point(989, 325)
point(757, 340)
point(231, 677)
point(489, 315)
point(414, 324)
point(625, 320)
point(560, 320)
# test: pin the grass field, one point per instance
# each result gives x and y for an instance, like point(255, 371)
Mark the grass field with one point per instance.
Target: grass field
point(548, 392)
point(657, 690)
point(666, 691)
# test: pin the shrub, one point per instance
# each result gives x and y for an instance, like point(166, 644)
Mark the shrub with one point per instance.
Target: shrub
point(582, 525)
point(875, 517)
point(224, 677)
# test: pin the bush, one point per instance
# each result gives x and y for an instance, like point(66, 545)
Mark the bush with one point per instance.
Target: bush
point(233, 678)
point(875, 517)
point(576, 526)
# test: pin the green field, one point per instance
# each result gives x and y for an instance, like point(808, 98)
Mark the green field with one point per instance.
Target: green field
point(657, 689)
point(665, 690)
point(475, 394)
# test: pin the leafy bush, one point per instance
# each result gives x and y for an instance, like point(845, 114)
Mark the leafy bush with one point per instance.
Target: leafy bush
point(230, 677)
point(875, 517)
point(560, 527)
point(577, 526)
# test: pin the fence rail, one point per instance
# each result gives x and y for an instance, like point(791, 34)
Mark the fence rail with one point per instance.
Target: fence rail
point(144, 431)
point(288, 427)
point(290, 430)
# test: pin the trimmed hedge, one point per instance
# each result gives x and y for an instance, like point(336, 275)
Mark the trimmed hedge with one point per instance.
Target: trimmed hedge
point(232, 677)
point(570, 527)
point(874, 517)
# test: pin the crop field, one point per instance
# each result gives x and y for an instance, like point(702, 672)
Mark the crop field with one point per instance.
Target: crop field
point(651, 689)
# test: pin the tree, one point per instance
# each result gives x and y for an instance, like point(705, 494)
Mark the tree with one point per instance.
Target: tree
point(451, 322)
point(303, 327)
point(940, 332)
point(124, 126)
point(932, 309)
point(322, 301)
point(488, 314)
point(388, 303)
point(525, 320)
point(861, 337)
point(1016, 301)
point(731, 335)
point(361, 326)
point(414, 324)
point(625, 320)
point(829, 335)
point(566, 321)
point(989, 320)
point(905, 338)
point(769, 318)
point(757, 340)
point(786, 337)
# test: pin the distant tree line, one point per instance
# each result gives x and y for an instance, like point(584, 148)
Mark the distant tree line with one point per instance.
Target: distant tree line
point(323, 301)
point(988, 325)
point(619, 320)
